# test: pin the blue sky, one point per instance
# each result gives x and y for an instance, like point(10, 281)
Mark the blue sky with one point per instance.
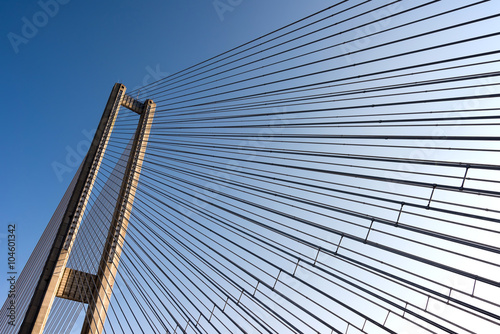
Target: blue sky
point(57, 77)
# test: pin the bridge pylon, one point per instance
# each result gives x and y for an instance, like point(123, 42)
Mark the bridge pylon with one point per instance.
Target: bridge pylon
point(94, 289)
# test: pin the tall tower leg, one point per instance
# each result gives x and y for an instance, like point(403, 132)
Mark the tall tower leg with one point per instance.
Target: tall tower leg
point(43, 297)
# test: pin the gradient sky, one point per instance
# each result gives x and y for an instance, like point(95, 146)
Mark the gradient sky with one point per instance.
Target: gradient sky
point(56, 79)
point(62, 58)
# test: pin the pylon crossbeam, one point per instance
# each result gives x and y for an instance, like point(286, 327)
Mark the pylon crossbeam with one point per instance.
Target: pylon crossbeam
point(76, 285)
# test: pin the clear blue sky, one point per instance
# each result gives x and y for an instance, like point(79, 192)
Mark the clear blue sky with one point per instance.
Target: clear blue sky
point(60, 63)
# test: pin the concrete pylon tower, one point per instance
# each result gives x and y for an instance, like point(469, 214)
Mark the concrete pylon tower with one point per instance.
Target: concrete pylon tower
point(59, 281)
